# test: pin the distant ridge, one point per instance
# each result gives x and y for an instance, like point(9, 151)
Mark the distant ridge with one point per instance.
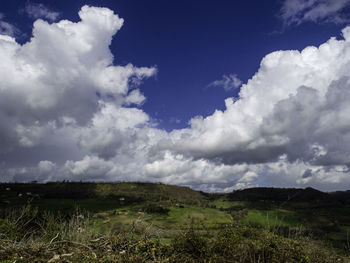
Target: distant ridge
point(280, 194)
point(129, 191)
point(139, 191)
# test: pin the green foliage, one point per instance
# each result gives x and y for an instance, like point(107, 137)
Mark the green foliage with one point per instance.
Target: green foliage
point(190, 243)
point(153, 208)
point(235, 243)
point(20, 223)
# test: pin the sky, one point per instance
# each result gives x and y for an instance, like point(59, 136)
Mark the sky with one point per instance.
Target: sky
point(215, 95)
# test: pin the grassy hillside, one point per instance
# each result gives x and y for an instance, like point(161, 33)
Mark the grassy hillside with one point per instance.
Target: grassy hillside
point(95, 197)
point(144, 222)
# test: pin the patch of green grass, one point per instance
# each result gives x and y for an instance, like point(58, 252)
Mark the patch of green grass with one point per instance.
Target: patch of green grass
point(165, 225)
point(340, 238)
point(222, 203)
point(165, 240)
point(271, 218)
point(111, 222)
point(207, 216)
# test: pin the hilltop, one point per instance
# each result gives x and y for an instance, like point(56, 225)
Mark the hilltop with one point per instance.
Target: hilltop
point(124, 192)
point(139, 192)
point(281, 195)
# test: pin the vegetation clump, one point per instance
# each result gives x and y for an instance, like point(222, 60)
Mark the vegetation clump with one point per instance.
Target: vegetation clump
point(155, 209)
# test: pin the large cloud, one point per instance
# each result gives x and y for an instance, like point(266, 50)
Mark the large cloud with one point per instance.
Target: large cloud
point(61, 75)
point(61, 88)
point(295, 104)
point(67, 111)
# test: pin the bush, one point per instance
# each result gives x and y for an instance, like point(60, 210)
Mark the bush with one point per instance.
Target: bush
point(155, 209)
point(191, 243)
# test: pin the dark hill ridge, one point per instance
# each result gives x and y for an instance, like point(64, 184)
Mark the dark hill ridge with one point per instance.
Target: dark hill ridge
point(128, 192)
point(281, 195)
point(341, 196)
point(138, 192)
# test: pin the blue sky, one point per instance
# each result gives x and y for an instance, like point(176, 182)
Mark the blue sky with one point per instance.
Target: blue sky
point(219, 95)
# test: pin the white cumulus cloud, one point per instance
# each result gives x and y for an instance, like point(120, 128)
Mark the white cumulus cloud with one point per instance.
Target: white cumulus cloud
point(69, 112)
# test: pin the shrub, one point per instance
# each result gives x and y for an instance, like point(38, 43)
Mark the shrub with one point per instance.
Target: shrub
point(191, 243)
point(155, 209)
